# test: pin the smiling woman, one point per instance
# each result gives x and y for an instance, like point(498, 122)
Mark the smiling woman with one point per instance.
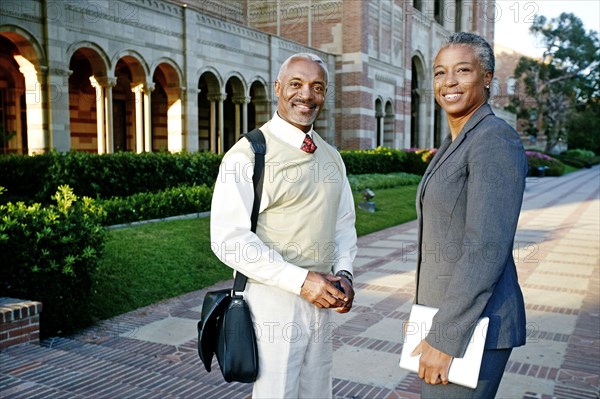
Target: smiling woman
point(461, 83)
point(460, 204)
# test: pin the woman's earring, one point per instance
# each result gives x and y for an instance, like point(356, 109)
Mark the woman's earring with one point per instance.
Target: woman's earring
point(487, 86)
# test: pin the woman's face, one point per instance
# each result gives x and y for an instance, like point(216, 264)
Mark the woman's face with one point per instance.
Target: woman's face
point(459, 81)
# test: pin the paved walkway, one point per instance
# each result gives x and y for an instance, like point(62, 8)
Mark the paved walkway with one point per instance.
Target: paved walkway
point(151, 352)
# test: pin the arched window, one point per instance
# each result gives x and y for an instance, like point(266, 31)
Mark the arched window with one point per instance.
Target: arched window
point(511, 85)
point(495, 87)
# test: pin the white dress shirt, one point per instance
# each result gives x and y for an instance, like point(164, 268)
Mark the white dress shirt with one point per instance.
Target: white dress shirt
point(238, 247)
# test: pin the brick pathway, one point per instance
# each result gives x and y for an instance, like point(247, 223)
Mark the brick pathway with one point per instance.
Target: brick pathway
point(151, 352)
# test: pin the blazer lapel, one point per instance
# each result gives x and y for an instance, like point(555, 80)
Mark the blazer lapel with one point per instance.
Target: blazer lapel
point(451, 146)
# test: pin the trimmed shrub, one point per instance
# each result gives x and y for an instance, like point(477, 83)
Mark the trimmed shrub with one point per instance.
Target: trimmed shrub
point(379, 160)
point(579, 158)
point(35, 178)
point(49, 254)
point(23, 176)
point(577, 153)
point(574, 162)
point(144, 206)
point(379, 181)
point(418, 159)
point(536, 159)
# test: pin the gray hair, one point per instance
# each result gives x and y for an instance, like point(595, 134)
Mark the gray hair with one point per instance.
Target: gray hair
point(305, 56)
point(483, 50)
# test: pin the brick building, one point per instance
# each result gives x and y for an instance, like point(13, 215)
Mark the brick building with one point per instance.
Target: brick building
point(505, 87)
point(149, 75)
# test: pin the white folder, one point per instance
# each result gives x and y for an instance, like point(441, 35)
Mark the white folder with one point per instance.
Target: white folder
point(463, 371)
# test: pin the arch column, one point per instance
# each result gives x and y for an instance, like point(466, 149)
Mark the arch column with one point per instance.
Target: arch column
point(190, 118)
point(241, 115)
point(59, 121)
point(35, 102)
point(100, 117)
point(21, 141)
point(216, 113)
point(104, 120)
point(147, 89)
point(139, 116)
point(175, 136)
point(108, 105)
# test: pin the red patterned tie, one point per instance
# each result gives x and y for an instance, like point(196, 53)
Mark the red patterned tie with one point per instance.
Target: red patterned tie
point(308, 145)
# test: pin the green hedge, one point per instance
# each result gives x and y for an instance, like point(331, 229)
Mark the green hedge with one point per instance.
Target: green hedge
point(123, 174)
point(379, 181)
point(144, 206)
point(579, 158)
point(49, 254)
point(383, 160)
point(35, 178)
point(584, 155)
point(23, 176)
point(536, 159)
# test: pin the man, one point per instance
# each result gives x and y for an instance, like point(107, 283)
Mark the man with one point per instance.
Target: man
point(305, 239)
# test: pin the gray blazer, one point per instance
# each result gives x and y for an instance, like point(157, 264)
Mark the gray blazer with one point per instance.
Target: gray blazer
point(468, 205)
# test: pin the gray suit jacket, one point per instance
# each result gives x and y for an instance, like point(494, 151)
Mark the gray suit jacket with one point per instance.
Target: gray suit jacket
point(468, 205)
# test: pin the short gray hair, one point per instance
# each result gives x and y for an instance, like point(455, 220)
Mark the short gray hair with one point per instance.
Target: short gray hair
point(305, 56)
point(483, 50)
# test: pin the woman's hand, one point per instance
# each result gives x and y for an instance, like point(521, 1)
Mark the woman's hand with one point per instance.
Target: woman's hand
point(433, 364)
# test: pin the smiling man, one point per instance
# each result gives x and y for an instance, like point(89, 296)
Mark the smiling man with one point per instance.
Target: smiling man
point(305, 239)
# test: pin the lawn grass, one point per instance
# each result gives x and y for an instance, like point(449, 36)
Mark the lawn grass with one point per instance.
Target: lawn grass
point(148, 263)
point(570, 169)
point(151, 262)
point(393, 206)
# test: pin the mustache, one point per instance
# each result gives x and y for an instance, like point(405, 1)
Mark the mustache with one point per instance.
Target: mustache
point(303, 102)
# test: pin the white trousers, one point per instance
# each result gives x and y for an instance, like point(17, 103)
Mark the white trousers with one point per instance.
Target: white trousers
point(294, 345)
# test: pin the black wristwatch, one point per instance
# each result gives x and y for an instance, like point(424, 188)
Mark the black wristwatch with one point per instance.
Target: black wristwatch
point(347, 274)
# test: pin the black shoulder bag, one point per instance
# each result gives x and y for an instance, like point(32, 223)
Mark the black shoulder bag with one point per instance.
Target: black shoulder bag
point(225, 328)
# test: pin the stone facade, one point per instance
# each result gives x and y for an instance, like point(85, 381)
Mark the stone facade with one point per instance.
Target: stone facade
point(149, 75)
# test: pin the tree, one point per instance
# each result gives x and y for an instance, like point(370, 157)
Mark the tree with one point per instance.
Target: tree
point(564, 83)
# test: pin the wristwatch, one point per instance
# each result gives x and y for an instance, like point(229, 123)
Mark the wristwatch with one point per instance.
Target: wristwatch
point(347, 274)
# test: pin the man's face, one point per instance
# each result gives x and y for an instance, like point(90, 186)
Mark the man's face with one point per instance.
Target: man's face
point(301, 92)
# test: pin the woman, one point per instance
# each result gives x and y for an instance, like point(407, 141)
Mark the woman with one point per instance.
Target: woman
point(468, 204)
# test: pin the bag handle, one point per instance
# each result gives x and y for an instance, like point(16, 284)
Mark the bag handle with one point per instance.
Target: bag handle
point(259, 147)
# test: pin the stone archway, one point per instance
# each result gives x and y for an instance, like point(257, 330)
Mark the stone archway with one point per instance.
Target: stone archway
point(131, 106)
point(87, 107)
point(167, 110)
point(210, 112)
point(258, 108)
point(235, 112)
point(13, 118)
point(23, 99)
point(379, 123)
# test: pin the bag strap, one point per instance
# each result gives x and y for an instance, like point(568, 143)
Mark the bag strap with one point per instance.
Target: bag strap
point(259, 147)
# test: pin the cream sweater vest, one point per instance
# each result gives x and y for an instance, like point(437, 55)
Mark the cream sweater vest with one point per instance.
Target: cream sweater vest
point(304, 193)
